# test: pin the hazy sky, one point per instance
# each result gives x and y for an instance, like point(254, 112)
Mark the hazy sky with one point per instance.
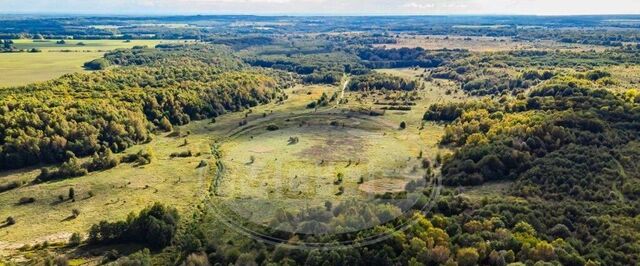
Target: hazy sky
point(350, 7)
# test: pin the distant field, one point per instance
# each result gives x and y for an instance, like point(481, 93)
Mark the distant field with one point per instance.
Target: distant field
point(55, 59)
point(480, 44)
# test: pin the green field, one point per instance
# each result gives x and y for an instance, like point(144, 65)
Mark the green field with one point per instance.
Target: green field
point(55, 60)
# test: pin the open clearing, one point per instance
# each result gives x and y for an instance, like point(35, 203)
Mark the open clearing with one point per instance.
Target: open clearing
point(55, 59)
point(371, 153)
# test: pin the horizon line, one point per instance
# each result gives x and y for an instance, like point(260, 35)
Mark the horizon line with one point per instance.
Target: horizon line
point(299, 14)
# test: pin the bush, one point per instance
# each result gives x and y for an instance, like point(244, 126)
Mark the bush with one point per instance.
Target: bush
point(75, 240)
point(140, 158)
point(103, 161)
point(10, 221)
point(183, 154)
point(165, 124)
point(10, 186)
point(26, 200)
point(61, 261)
point(197, 259)
point(97, 64)
point(272, 127)
point(75, 213)
point(69, 169)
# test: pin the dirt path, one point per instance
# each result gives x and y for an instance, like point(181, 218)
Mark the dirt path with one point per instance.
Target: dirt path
point(344, 87)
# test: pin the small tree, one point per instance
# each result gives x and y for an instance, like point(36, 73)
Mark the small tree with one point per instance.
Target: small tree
point(467, 256)
point(403, 125)
point(328, 205)
point(165, 124)
point(75, 240)
point(75, 213)
point(10, 221)
point(72, 194)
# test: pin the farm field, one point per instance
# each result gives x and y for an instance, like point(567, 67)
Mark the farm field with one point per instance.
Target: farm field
point(482, 44)
point(55, 59)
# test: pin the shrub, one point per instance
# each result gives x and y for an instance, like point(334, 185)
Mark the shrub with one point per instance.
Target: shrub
point(75, 213)
point(272, 127)
point(165, 124)
point(183, 154)
point(72, 194)
point(142, 157)
point(97, 64)
point(61, 261)
point(26, 200)
point(10, 185)
point(102, 161)
point(403, 125)
point(10, 221)
point(75, 240)
point(69, 169)
point(197, 259)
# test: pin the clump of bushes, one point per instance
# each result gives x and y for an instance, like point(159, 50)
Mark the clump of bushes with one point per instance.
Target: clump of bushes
point(142, 157)
point(75, 240)
point(97, 64)
point(10, 185)
point(272, 127)
point(183, 154)
point(294, 140)
point(102, 161)
point(154, 226)
point(26, 200)
point(69, 169)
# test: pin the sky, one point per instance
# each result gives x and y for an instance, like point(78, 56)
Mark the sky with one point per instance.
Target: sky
point(324, 7)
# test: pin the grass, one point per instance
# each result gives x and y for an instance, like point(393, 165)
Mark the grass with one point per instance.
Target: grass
point(55, 60)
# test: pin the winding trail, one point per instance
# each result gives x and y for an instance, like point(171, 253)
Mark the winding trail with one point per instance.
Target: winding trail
point(344, 87)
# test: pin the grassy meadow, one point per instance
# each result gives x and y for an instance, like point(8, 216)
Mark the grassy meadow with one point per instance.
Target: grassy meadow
point(357, 148)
